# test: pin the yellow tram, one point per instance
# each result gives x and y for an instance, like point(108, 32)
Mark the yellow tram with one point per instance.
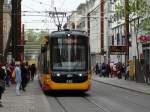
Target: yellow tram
point(64, 61)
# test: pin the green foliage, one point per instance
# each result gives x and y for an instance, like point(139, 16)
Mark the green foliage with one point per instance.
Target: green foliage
point(30, 35)
point(136, 8)
point(146, 24)
point(35, 37)
point(139, 7)
point(33, 40)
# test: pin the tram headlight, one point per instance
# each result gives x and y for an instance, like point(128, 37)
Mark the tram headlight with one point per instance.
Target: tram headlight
point(58, 75)
point(80, 75)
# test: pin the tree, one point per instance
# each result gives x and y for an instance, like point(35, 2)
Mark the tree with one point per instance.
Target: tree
point(139, 12)
point(30, 35)
point(34, 41)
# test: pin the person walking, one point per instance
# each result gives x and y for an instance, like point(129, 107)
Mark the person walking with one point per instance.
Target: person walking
point(108, 70)
point(119, 70)
point(33, 71)
point(2, 82)
point(18, 78)
point(127, 72)
point(24, 74)
point(8, 74)
point(103, 69)
point(96, 69)
point(146, 71)
point(12, 67)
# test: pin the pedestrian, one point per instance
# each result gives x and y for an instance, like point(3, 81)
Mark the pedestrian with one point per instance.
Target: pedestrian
point(146, 72)
point(114, 71)
point(2, 82)
point(8, 74)
point(28, 71)
point(119, 70)
point(12, 67)
point(127, 72)
point(18, 78)
point(96, 69)
point(103, 69)
point(24, 74)
point(111, 69)
point(108, 70)
point(33, 71)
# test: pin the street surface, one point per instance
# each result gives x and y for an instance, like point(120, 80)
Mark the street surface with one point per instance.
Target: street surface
point(101, 98)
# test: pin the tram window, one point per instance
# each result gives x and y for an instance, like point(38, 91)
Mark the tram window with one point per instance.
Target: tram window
point(69, 57)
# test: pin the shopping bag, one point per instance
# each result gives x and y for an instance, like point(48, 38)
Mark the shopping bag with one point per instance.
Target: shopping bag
point(14, 74)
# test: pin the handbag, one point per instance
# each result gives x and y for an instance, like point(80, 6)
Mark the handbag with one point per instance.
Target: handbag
point(14, 74)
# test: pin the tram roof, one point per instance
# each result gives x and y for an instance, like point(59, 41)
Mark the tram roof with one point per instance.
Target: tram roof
point(66, 32)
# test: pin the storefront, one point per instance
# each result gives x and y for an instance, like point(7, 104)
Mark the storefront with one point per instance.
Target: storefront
point(145, 41)
point(146, 52)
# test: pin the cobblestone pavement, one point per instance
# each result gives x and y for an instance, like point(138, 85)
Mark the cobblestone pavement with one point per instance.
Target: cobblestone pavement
point(32, 100)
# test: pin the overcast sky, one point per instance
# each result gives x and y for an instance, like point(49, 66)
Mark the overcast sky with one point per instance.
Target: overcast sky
point(41, 20)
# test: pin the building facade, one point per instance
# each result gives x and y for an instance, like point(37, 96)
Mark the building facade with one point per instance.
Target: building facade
point(106, 30)
point(87, 18)
point(6, 23)
point(118, 35)
point(1, 30)
point(77, 20)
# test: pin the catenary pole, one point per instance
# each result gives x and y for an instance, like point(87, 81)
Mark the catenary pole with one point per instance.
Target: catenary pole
point(127, 30)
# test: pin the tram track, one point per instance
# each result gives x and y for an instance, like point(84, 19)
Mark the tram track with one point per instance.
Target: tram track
point(97, 105)
point(127, 95)
point(97, 100)
point(91, 102)
point(63, 109)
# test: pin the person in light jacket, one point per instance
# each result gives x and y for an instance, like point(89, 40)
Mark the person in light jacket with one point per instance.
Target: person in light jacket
point(18, 78)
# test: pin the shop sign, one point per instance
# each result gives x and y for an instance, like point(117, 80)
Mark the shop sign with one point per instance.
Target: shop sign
point(144, 38)
point(117, 49)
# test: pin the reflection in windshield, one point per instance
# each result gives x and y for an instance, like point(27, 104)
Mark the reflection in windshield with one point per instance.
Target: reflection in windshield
point(69, 57)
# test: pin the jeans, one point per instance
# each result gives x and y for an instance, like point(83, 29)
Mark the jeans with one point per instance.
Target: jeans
point(18, 88)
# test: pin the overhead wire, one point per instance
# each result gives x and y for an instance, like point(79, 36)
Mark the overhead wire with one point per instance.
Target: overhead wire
point(41, 3)
point(29, 7)
point(40, 12)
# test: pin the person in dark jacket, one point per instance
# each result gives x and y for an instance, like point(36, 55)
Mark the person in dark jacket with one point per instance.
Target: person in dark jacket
point(2, 82)
point(8, 74)
point(104, 67)
point(146, 71)
point(96, 69)
point(24, 73)
point(33, 71)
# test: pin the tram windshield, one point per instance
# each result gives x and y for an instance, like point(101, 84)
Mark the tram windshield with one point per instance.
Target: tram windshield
point(69, 54)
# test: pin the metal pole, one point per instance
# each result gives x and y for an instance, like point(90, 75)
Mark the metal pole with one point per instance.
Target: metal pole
point(127, 30)
point(13, 29)
point(109, 8)
point(102, 28)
